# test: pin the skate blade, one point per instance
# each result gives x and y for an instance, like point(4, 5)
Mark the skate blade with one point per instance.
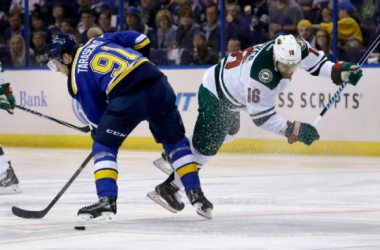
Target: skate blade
point(157, 198)
point(106, 217)
point(206, 213)
point(163, 165)
point(12, 189)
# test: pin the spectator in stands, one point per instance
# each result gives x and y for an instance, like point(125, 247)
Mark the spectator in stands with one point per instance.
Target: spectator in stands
point(18, 6)
point(87, 20)
point(260, 21)
point(93, 32)
point(201, 54)
point(15, 27)
point(349, 33)
point(83, 5)
point(237, 27)
point(327, 15)
point(133, 22)
point(187, 28)
point(170, 5)
point(323, 42)
point(166, 30)
point(233, 45)
point(212, 27)
point(310, 10)
point(284, 15)
point(58, 14)
point(105, 21)
point(39, 44)
point(196, 8)
point(17, 51)
point(370, 13)
point(148, 10)
point(66, 27)
point(305, 30)
point(321, 4)
point(38, 23)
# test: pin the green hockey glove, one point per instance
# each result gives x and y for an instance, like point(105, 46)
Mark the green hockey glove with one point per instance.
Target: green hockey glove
point(346, 72)
point(7, 100)
point(303, 132)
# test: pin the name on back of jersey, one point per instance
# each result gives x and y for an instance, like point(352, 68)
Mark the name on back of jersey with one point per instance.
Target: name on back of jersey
point(82, 65)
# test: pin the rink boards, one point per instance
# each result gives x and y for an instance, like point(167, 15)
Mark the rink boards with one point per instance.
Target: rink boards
point(350, 127)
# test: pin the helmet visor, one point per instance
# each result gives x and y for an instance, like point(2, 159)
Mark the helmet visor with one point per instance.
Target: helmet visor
point(52, 64)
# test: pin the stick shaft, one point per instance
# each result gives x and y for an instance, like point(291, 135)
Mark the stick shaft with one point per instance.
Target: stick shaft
point(27, 214)
point(362, 60)
point(85, 129)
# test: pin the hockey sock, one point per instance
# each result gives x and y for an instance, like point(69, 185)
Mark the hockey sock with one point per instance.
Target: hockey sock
point(183, 163)
point(3, 163)
point(106, 170)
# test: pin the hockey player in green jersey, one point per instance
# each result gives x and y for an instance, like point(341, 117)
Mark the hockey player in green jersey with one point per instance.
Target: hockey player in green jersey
point(8, 179)
point(250, 80)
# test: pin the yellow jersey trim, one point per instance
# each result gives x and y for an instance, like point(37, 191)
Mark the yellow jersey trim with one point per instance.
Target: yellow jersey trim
point(125, 73)
point(142, 44)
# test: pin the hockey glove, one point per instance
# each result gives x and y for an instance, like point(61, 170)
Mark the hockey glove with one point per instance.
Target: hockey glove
point(346, 72)
point(7, 100)
point(303, 132)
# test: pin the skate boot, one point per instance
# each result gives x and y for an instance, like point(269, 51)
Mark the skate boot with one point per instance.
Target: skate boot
point(201, 204)
point(164, 164)
point(167, 196)
point(102, 211)
point(9, 182)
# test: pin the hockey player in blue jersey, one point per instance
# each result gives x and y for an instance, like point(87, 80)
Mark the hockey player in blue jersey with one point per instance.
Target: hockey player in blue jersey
point(117, 87)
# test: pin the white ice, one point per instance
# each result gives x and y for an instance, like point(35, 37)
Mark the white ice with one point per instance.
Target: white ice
point(260, 202)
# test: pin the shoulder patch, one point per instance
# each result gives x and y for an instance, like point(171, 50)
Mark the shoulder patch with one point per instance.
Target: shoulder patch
point(302, 43)
point(265, 75)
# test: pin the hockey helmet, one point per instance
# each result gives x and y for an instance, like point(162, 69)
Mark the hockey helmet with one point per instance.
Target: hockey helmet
point(61, 44)
point(287, 51)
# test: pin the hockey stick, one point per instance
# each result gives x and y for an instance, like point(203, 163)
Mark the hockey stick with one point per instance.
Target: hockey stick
point(343, 86)
point(26, 214)
point(85, 129)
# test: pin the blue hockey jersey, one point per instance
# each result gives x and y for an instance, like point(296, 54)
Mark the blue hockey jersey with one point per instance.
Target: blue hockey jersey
point(100, 65)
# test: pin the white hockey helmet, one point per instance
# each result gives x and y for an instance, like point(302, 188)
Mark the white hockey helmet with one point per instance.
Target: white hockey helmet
point(286, 50)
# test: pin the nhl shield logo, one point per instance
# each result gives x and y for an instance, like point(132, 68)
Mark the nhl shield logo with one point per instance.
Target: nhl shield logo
point(265, 75)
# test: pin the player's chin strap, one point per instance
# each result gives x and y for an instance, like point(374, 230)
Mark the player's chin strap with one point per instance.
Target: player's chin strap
point(343, 86)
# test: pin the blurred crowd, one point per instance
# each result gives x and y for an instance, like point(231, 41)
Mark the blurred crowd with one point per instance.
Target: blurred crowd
point(187, 32)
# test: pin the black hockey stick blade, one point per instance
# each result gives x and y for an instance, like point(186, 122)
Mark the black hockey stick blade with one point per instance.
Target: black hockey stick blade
point(85, 129)
point(27, 214)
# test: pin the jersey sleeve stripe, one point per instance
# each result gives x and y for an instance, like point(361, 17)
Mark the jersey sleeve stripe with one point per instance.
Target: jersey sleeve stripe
point(262, 120)
point(263, 112)
point(315, 70)
point(74, 87)
point(222, 93)
point(142, 43)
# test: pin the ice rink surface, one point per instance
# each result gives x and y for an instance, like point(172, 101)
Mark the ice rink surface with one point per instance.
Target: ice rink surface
point(260, 202)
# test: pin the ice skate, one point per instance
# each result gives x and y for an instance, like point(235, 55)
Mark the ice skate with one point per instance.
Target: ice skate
point(9, 182)
point(164, 164)
point(201, 204)
point(167, 196)
point(102, 211)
